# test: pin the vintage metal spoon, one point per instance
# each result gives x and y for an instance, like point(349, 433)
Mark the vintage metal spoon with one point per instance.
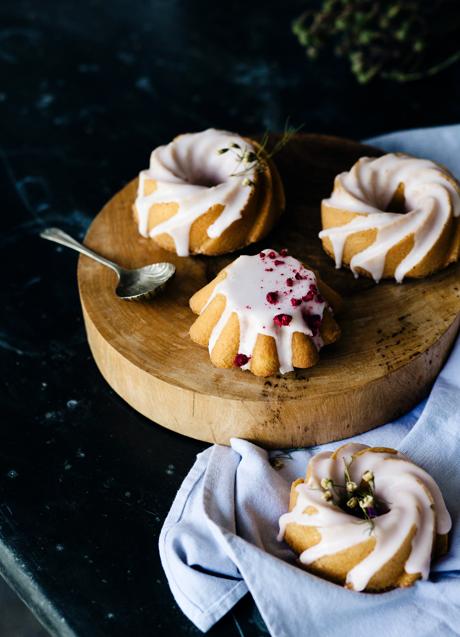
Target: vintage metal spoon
point(132, 284)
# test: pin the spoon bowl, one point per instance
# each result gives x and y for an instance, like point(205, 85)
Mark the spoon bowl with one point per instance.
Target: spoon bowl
point(143, 282)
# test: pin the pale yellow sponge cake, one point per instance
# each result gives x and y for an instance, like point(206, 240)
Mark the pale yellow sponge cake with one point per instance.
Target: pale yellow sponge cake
point(266, 313)
point(394, 216)
point(367, 518)
point(210, 193)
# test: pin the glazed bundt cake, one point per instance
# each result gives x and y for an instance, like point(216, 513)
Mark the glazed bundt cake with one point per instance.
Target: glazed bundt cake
point(366, 517)
point(394, 216)
point(208, 193)
point(267, 313)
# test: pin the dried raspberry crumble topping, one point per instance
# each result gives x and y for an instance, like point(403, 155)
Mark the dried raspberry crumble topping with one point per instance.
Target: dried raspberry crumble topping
point(240, 360)
point(282, 319)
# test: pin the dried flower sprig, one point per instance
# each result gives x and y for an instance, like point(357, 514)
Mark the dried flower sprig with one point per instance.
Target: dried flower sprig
point(401, 40)
point(278, 457)
point(249, 159)
point(359, 499)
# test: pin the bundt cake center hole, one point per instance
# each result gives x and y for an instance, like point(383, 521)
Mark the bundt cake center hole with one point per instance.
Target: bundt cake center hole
point(356, 494)
point(206, 179)
point(377, 508)
point(398, 201)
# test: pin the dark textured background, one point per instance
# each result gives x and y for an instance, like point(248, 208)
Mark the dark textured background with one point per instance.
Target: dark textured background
point(87, 90)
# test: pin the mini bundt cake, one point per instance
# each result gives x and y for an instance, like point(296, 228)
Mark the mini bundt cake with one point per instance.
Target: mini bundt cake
point(367, 518)
point(267, 313)
point(208, 193)
point(394, 216)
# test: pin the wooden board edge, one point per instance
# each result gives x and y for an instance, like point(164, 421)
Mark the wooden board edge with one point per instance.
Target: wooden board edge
point(271, 424)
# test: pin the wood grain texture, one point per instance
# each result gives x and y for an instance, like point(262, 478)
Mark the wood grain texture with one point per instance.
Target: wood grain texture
point(394, 337)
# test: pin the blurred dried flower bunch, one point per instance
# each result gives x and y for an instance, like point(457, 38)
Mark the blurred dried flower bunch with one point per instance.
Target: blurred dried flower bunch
point(401, 41)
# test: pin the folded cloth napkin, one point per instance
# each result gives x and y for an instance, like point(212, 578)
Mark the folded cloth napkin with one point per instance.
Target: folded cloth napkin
point(219, 539)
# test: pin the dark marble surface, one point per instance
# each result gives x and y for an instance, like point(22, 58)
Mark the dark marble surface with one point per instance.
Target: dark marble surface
point(87, 90)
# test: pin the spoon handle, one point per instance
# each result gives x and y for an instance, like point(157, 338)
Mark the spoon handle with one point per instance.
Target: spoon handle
point(59, 236)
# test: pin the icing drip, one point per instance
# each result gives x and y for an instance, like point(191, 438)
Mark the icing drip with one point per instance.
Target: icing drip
point(413, 497)
point(430, 193)
point(190, 172)
point(261, 289)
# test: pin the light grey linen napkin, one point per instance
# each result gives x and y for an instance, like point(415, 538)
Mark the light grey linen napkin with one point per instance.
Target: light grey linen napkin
point(219, 539)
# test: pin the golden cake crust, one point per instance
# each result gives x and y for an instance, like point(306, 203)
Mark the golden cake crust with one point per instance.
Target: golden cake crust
point(264, 358)
point(338, 211)
point(336, 566)
point(262, 210)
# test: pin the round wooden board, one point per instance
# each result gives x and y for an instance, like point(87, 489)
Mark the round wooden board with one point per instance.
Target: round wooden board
point(394, 337)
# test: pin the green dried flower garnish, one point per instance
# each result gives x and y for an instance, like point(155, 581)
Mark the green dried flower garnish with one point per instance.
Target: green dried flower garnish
point(278, 457)
point(357, 498)
point(402, 41)
point(249, 160)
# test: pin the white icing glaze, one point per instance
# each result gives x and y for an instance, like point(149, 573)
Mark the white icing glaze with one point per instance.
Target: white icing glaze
point(398, 482)
point(249, 279)
point(190, 172)
point(431, 195)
